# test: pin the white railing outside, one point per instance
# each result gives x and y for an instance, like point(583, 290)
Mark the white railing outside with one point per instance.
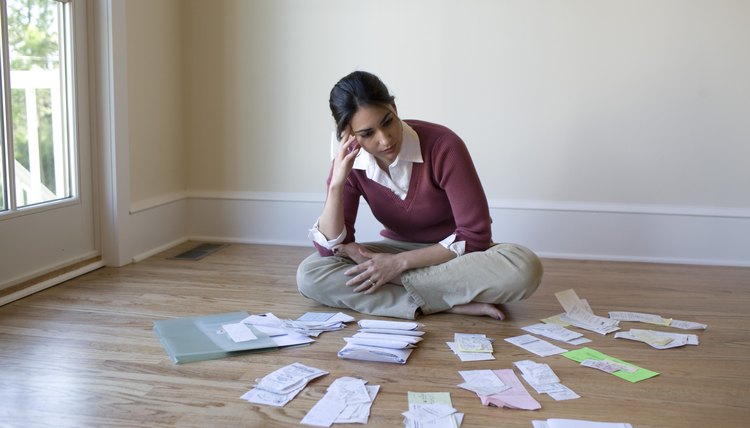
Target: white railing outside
point(29, 186)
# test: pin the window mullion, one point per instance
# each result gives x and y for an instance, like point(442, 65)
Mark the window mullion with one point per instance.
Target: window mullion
point(5, 109)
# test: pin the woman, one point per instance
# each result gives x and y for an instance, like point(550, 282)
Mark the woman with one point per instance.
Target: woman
point(419, 180)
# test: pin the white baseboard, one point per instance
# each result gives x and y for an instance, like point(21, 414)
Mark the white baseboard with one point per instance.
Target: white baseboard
point(50, 282)
point(621, 232)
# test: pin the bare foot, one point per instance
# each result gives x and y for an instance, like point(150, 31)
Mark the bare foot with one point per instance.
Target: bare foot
point(478, 309)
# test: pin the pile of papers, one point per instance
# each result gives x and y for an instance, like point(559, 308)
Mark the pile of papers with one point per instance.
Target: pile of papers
point(544, 380)
point(578, 313)
point(431, 410)
point(281, 386)
point(347, 401)
point(382, 341)
point(500, 388)
point(471, 347)
point(289, 332)
point(658, 339)
point(314, 323)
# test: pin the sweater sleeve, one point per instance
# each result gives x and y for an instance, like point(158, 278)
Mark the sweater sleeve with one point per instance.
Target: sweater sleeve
point(455, 173)
point(351, 206)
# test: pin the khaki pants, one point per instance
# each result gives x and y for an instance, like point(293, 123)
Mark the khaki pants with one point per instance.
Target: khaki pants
point(504, 273)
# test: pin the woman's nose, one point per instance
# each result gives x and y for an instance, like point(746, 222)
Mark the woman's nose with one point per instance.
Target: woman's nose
point(385, 137)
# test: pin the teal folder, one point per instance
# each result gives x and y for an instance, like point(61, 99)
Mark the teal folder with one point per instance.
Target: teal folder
point(202, 338)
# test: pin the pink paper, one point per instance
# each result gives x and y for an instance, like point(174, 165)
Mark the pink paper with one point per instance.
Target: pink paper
point(514, 398)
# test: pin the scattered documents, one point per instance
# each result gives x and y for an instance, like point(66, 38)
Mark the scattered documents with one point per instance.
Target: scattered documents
point(557, 332)
point(276, 328)
point(348, 400)
point(579, 314)
point(382, 341)
point(544, 380)
point(575, 423)
point(658, 339)
point(514, 396)
point(282, 385)
point(656, 319)
point(583, 354)
point(311, 324)
point(431, 410)
point(535, 345)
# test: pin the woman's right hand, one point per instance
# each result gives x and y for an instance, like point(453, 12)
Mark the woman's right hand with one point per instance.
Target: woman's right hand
point(344, 160)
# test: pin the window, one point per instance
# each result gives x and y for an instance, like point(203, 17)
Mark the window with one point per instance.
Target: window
point(37, 146)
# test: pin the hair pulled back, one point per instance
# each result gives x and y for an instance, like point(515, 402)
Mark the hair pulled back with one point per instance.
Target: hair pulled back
point(355, 90)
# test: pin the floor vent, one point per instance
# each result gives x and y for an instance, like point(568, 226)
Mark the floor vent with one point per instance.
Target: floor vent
point(199, 252)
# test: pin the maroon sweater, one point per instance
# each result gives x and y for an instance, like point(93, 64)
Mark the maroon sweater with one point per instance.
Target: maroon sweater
point(445, 196)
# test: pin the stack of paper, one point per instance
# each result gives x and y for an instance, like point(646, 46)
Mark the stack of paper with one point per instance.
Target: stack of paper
point(347, 401)
point(658, 339)
point(579, 313)
point(282, 385)
point(471, 347)
point(544, 380)
point(656, 319)
point(382, 341)
point(431, 410)
point(315, 323)
point(575, 423)
point(500, 388)
point(272, 326)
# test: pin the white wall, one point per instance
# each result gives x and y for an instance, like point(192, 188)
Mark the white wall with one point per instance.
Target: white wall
point(601, 129)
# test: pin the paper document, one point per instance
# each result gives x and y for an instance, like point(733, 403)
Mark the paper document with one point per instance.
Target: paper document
point(544, 380)
point(658, 339)
point(583, 354)
point(535, 345)
point(431, 410)
point(472, 342)
point(516, 397)
point(469, 356)
point(347, 400)
point(282, 385)
point(579, 313)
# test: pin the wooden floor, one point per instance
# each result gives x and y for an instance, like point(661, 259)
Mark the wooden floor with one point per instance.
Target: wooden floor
point(83, 354)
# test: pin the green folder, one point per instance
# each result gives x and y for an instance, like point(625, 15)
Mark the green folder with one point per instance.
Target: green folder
point(202, 338)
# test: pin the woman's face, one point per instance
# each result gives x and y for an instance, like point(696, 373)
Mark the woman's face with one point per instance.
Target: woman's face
point(378, 131)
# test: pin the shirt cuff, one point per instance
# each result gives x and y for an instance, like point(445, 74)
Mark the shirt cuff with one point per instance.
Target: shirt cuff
point(316, 236)
point(457, 247)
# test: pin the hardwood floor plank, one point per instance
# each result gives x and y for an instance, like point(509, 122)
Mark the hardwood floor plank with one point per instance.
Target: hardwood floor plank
point(83, 354)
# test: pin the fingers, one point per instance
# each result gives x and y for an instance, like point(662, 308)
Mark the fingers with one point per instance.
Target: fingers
point(349, 145)
point(368, 286)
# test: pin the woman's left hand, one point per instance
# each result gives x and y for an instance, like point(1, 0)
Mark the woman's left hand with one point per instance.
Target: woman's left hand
point(377, 270)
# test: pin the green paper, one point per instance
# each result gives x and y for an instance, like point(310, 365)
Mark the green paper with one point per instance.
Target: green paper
point(584, 353)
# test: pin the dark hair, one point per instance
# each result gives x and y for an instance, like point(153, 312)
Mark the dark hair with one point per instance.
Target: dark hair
point(357, 89)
